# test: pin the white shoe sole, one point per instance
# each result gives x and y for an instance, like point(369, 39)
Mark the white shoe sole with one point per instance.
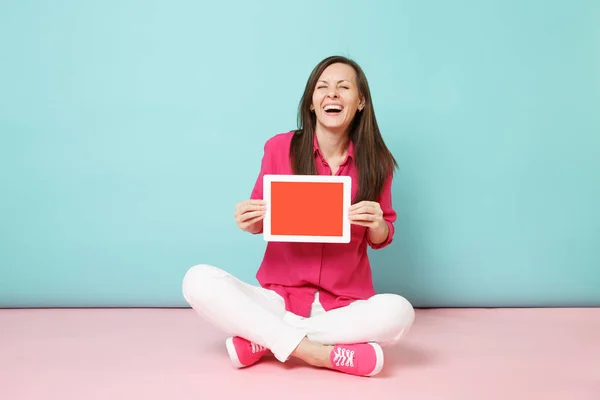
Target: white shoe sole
point(233, 354)
point(379, 364)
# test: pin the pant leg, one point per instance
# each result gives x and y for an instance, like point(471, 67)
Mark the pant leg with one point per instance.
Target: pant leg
point(240, 309)
point(384, 319)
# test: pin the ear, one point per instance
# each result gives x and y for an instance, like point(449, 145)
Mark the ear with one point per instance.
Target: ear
point(361, 104)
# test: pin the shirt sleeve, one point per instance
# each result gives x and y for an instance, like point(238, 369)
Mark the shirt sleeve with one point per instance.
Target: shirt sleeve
point(266, 167)
point(389, 215)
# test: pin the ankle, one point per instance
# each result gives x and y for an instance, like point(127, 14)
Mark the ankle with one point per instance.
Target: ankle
point(321, 356)
point(315, 354)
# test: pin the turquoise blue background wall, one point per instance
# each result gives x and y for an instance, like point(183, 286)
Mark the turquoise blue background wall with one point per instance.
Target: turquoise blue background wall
point(130, 129)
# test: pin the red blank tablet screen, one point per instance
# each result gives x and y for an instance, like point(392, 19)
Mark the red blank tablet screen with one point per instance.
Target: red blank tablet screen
point(307, 208)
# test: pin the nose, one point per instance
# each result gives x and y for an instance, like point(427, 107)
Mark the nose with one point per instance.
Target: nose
point(333, 93)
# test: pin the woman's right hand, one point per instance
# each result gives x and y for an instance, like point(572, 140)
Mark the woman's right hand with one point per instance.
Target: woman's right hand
point(249, 215)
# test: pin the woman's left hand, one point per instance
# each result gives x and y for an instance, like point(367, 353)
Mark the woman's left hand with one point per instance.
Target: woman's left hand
point(367, 213)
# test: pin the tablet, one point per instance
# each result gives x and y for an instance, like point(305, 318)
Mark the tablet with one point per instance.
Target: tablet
point(307, 208)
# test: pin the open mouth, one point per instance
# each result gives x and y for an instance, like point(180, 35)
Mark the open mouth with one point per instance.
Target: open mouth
point(333, 109)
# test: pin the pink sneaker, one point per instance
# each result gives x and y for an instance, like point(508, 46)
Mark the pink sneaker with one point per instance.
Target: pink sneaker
point(244, 353)
point(364, 359)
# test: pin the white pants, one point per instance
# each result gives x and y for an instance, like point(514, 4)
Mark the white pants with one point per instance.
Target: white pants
point(259, 315)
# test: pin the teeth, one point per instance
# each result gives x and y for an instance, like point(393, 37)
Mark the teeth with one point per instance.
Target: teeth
point(333, 107)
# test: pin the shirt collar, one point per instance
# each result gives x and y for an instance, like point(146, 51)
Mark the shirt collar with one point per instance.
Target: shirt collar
point(316, 147)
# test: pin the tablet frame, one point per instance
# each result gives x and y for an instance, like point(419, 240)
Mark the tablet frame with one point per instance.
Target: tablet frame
point(346, 202)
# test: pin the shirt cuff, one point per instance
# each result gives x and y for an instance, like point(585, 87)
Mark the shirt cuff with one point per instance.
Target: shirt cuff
point(387, 240)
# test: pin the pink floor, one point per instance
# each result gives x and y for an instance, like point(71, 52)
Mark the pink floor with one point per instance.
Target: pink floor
point(171, 354)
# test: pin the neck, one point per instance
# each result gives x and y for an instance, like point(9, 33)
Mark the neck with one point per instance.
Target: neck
point(332, 144)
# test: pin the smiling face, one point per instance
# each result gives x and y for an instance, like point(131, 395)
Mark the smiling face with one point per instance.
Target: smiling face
point(336, 98)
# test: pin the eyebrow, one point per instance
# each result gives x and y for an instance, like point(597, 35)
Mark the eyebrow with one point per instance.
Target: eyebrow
point(340, 81)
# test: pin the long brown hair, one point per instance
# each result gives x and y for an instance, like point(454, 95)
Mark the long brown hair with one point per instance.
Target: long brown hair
point(373, 159)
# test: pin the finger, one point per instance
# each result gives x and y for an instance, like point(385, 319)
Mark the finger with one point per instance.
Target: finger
point(250, 206)
point(254, 220)
point(358, 210)
point(363, 217)
point(365, 203)
point(356, 206)
point(249, 215)
point(257, 202)
point(253, 207)
point(251, 222)
point(244, 203)
point(362, 223)
point(365, 209)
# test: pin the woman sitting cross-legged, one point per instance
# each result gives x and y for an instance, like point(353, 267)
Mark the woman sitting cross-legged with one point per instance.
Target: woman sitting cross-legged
point(316, 301)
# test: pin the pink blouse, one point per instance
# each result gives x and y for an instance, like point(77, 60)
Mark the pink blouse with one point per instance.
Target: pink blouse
point(341, 272)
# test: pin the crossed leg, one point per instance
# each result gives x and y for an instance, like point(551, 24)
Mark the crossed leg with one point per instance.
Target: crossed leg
point(259, 315)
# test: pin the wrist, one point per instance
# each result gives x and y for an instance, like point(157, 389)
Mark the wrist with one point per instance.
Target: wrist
point(379, 233)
